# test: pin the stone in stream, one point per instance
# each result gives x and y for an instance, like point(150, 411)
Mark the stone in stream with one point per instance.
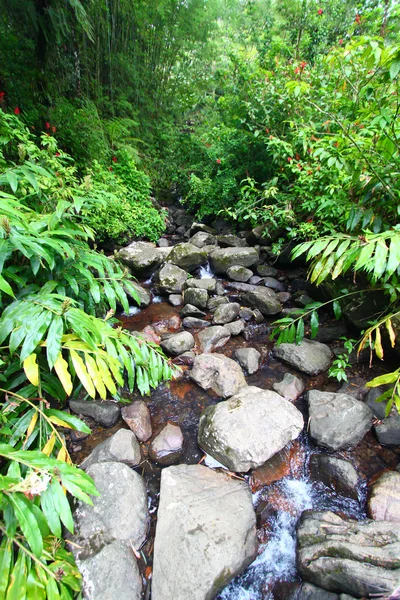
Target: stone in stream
point(137, 417)
point(255, 280)
point(274, 284)
point(246, 430)
point(178, 343)
point(213, 303)
point(143, 258)
point(384, 500)
point(264, 299)
point(284, 297)
point(388, 431)
point(335, 473)
point(194, 323)
point(144, 295)
point(291, 387)
point(205, 533)
point(337, 420)
point(246, 313)
point(162, 243)
point(267, 271)
point(121, 447)
point(360, 558)
point(201, 227)
point(202, 238)
point(224, 258)
point(111, 517)
point(207, 283)
point(192, 311)
point(218, 372)
point(235, 327)
point(196, 297)
point(167, 446)
point(171, 279)
point(186, 256)
point(225, 313)
point(175, 299)
point(238, 273)
point(104, 412)
point(309, 591)
point(111, 574)
point(248, 358)
point(231, 241)
point(309, 356)
point(213, 337)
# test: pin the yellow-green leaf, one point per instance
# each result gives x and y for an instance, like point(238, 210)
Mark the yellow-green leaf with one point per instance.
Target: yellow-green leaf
point(48, 448)
point(378, 344)
point(61, 368)
point(96, 377)
point(82, 373)
point(31, 369)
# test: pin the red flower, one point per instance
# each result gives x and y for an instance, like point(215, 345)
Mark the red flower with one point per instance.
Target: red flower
point(358, 19)
point(58, 154)
point(47, 125)
point(303, 64)
point(320, 11)
point(340, 42)
point(54, 129)
point(114, 159)
point(2, 94)
point(289, 159)
point(297, 70)
point(110, 168)
point(218, 161)
point(16, 111)
point(266, 130)
point(297, 157)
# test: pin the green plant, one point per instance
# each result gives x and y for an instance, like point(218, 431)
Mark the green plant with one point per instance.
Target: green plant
point(342, 361)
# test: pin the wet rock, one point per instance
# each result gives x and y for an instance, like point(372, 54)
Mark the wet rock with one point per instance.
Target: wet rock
point(291, 387)
point(171, 279)
point(219, 373)
point(142, 258)
point(246, 430)
point(255, 330)
point(163, 243)
point(284, 297)
point(274, 284)
point(202, 238)
point(225, 313)
point(111, 574)
point(348, 556)
point(175, 299)
point(331, 333)
point(195, 296)
point(384, 500)
point(144, 295)
point(183, 219)
point(238, 273)
point(178, 343)
point(187, 256)
point(258, 316)
point(303, 300)
point(194, 323)
point(255, 280)
point(214, 302)
point(312, 592)
point(112, 517)
point(388, 432)
point(167, 446)
point(289, 462)
point(335, 473)
point(187, 358)
point(248, 358)
point(220, 288)
point(106, 413)
point(236, 327)
point(231, 241)
point(137, 417)
point(378, 408)
point(355, 386)
point(167, 325)
point(267, 271)
point(264, 299)
point(213, 337)
point(337, 420)
point(205, 533)
point(224, 258)
point(246, 313)
point(207, 283)
point(121, 447)
point(309, 356)
point(192, 311)
point(237, 286)
point(201, 227)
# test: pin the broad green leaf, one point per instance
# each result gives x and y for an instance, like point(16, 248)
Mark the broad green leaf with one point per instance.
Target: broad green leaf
point(27, 522)
point(337, 309)
point(50, 512)
point(383, 379)
point(314, 324)
point(62, 506)
point(5, 565)
point(70, 421)
point(53, 341)
point(6, 287)
point(18, 580)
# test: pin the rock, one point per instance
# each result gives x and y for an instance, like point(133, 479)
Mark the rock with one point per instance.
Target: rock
point(187, 358)
point(182, 218)
point(225, 313)
point(331, 333)
point(337, 420)
point(312, 592)
point(246, 430)
point(255, 330)
point(201, 227)
point(111, 517)
point(231, 241)
point(291, 387)
point(202, 238)
point(194, 323)
point(192, 311)
point(267, 271)
point(284, 297)
point(137, 417)
point(196, 297)
point(167, 446)
point(255, 280)
point(236, 327)
point(237, 286)
point(106, 413)
point(224, 258)
point(111, 574)
point(178, 343)
point(205, 533)
point(187, 256)
point(214, 302)
point(175, 299)
point(264, 299)
point(303, 300)
point(335, 473)
point(274, 284)
point(238, 273)
point(213, 337)
point(218, 372)
point(388, 432)
point(384, 500)
point(246, 313)
point(171, 279)
point(353, 557)
point(144, 295)
point(207, 283)
point(309, 356)
point(121, 447)
point(163, 243)
point(248, 358)
point(378, 408)
point(142, 258)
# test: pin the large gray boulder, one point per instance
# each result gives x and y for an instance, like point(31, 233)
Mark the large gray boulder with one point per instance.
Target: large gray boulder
point(309, 356)
point(196, 297)
point(231, 241)
point(384, 500)
point(213, 337)
point(120, 513)
point(238, 273)
point(337, 420)
point(388, 431)
point(187, 256)
point(205, 534)
point(143, 258)
point(171, 279)
point(309, 591)
point(207, 283)
point(121, 447)
point(264, 299)
point(111, 574)
point(219, 373)
point(246, 430)
point(104, 412)
point(178, 343)
point(226, 313)
point(353, 557)
point(336, 473)
point(248, 358)
point(223, 258)
point(202, 238)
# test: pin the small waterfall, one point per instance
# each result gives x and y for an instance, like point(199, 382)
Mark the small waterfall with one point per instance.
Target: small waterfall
point(133, 310)
point(205, 272)
point(157, 299)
